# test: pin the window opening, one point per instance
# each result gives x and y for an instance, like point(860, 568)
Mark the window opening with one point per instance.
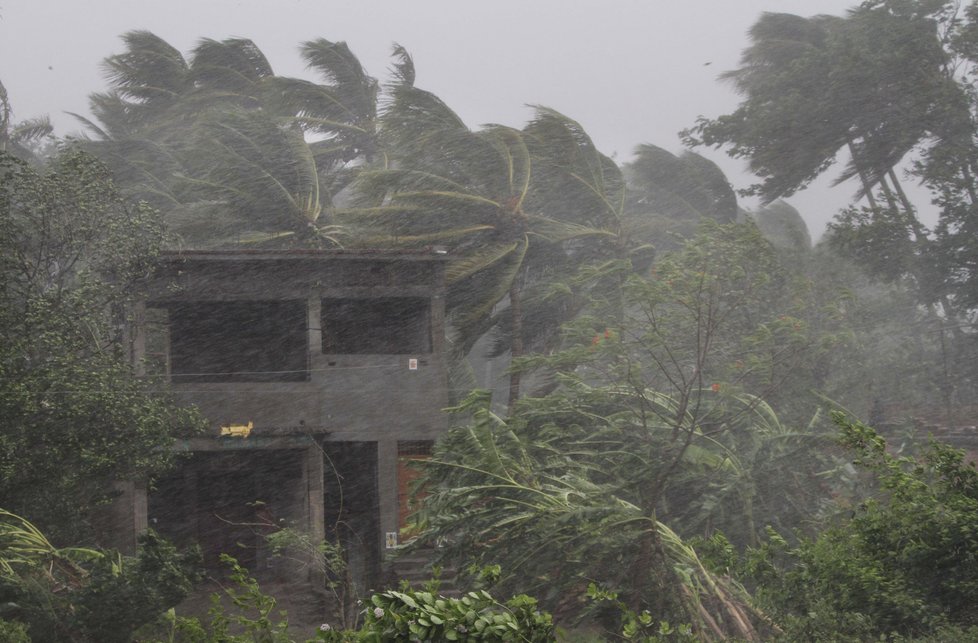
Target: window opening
point(377, 326)
point(238, 341)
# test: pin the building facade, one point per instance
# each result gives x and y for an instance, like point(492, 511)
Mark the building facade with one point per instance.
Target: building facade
point(321, 374)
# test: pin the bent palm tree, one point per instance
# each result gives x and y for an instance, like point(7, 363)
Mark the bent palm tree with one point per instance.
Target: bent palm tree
point(558, 507)
point(15, 138)
point(228, 150)
point(466, 189)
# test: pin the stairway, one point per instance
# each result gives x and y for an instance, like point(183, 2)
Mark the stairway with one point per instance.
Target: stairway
point(414, 567)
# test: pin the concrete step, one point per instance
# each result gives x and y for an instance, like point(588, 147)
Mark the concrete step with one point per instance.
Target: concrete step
point(415, 567)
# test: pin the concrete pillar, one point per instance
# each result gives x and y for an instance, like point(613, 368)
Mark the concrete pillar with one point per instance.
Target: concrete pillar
point(120, 523)
point(387, 487)
point(314, 323)
point(136, 331)
point(313, 473)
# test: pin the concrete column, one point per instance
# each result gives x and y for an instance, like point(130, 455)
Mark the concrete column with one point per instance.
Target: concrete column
point(438, 323)
point(314, 324)
point(315, 492)
point(312, 473)
point(119, 524)
point(136, 331)
point(387, 487)
point(439, 359)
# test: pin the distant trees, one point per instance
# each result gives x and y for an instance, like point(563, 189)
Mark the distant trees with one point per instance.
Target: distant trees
point(891, 85)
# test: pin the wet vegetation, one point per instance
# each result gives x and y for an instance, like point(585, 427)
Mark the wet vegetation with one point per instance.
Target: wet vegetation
point(682, 447)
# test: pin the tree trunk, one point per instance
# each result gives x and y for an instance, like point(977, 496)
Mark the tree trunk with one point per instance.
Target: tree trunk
point(919, 233)
point(867, 188)
point(516, 340)
point(890, 199)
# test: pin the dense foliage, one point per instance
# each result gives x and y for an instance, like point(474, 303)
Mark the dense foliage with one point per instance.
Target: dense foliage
point(900, 561)
point(891, 86)
point(74, 594)
point(71, 250)
point(648, 425)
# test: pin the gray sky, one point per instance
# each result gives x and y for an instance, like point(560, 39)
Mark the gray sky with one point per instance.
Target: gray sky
point(630, 71)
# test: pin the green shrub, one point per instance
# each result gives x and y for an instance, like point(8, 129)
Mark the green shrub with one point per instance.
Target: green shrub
point(13, 632)
point(424, 616)
point(904, 563)
point(407, 615)
point(121, 596)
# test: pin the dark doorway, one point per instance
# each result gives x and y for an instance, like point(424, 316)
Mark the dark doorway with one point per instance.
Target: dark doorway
point(352, 507)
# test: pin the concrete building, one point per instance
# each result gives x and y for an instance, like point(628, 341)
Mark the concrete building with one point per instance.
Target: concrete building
point(321, 374)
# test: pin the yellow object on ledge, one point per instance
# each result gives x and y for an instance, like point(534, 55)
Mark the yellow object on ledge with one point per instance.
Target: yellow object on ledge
point(237, 430)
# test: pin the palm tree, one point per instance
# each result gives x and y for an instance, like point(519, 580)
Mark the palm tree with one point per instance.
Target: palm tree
point(16, 138)
point(875, 83)
point(671, 195)
point(227, 149)
point(470, 190)
point(783, 226)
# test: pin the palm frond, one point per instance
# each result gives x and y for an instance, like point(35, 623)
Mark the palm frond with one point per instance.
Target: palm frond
point(403, 66)
point(479, 260)
point(233, 64)
point(150, 70)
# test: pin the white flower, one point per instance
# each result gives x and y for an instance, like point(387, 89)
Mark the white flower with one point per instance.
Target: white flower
point(325, 627)
point(378, 612)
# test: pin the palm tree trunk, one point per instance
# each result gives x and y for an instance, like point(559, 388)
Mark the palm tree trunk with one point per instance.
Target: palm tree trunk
point(867, 188)
point(516, 341)
point(918, 230)
point(890, 199)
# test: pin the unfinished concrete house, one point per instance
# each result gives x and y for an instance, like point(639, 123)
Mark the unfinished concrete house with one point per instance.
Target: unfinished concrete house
point(322, 374)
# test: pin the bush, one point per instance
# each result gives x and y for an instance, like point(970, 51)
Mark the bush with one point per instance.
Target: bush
point(87, 595)
point(421, 615)
point(905, 563)
point(407, 615)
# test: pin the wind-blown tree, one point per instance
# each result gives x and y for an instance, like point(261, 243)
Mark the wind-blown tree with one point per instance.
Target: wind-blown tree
point(17, 138)
point(573, 182)
point(470, 191)
point(73, 418)
point(648, 424)
point(889, 83)
point(555, 506)
point(218, 141)
point(686, 187)
point(783, 226)
point(874, 83)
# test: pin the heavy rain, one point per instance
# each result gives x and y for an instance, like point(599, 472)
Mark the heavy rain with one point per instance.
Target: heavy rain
point(549, 321)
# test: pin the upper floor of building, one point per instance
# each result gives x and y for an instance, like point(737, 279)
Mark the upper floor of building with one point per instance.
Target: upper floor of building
point(351, 343)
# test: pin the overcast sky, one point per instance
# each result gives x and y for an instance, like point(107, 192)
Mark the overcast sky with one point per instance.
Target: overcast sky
point(630, 71)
